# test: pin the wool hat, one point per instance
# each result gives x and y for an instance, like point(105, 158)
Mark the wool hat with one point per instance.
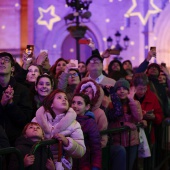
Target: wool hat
point(94, 56)
point(4, 54)
point(154, 65)
point(122, 83)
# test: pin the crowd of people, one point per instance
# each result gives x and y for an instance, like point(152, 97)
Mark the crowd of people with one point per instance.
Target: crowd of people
point(39, 102)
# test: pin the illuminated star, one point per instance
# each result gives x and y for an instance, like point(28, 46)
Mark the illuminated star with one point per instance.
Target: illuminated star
point(149, 12)
point(49, 24)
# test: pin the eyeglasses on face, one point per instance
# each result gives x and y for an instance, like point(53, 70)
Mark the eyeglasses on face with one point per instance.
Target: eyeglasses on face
point(95, 61)
point(5, 59)
point(73, 75)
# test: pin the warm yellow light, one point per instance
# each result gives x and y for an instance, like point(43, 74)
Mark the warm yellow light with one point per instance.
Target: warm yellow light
point(54, 46)
point(132, 43)
point(107, 20)
point(3, 27)
point(122, 28)
point(144, 20)
point(71, 50)
point(49, 24)
point(133, 58)
point(104, 39)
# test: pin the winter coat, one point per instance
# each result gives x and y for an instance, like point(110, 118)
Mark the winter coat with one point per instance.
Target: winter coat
point(25, 145)
point(16, 115)
point(92, 157)
point(99, 114)
point(133, 116)
point(151, 102)
point(64, 124)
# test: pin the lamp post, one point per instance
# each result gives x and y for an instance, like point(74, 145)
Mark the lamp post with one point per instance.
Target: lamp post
point(80, 11)
point(117, 38)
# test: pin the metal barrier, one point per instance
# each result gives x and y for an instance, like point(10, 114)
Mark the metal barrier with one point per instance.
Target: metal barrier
point(106, 151)
point(10, 150)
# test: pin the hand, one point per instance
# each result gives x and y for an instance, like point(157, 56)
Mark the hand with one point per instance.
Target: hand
point(105, 54)
point(165, 70)
point(7, 96)
point(50, 164)
point(91, 44)
point(132, 92)
point(150, 55)
point(68, 67)
point(28, 160)
point(144, 123)
point(61, 138)
point(26, 60)
point(131, 125)
point(41, 58)
point(149, 116)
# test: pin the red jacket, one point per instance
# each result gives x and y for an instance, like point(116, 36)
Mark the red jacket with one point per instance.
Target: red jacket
point(151, 102)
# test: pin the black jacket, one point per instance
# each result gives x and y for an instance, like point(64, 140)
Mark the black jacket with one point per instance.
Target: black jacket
point(25, 145)
point(13, 117)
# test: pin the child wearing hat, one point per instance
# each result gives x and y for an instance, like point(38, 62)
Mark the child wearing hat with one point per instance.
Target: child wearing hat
point(125, 111)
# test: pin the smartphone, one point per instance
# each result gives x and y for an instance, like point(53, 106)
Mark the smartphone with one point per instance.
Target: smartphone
point(84, 41)
point(163, 64)
point(150, 112)
point(153, 49)
point(75, 62)
point(29, 50)
point(114, 51)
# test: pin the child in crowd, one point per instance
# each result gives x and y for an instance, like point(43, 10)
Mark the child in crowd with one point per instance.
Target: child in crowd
point(58, 121)
point(124, 110)
point(43, 86)
point(96, 94)
point(92, 158)
point(32, 133)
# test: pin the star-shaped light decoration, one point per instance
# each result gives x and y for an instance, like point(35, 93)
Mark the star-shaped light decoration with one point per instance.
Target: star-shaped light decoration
point(144, 20)
point(49, 24)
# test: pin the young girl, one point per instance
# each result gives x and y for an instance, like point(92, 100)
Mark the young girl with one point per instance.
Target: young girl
point(125, 111)
point(81, 105)
point(43, 86)
point(58, 121)
point(96, 94)
point(32, 133)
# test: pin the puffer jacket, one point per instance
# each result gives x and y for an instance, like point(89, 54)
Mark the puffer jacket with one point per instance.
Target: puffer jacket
point(64, 124)
point(128, 119)
point(93, 155)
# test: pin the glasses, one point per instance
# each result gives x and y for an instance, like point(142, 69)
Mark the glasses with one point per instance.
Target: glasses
point(73, 75)
point(5, 59)
point(95, 61)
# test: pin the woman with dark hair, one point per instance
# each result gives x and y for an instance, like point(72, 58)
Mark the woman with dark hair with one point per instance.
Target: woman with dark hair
point(43, 86)
point(59, 65)
point(115, 70)
point(81, 105)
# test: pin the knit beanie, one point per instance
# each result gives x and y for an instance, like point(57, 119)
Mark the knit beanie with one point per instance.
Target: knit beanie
point(94, 56)
point(122, 83)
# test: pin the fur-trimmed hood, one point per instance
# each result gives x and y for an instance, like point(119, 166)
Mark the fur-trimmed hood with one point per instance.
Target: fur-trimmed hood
point(52, 126)
point(98, 96)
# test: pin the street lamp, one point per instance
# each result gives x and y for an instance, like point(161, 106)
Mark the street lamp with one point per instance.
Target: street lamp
point(81, 14)
point(117, 38)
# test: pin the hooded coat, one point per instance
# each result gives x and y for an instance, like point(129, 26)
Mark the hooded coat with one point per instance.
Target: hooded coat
point(64, 124)
point(96, 102)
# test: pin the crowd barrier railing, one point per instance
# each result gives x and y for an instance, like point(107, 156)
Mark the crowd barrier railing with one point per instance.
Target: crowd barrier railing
point(12, 150)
